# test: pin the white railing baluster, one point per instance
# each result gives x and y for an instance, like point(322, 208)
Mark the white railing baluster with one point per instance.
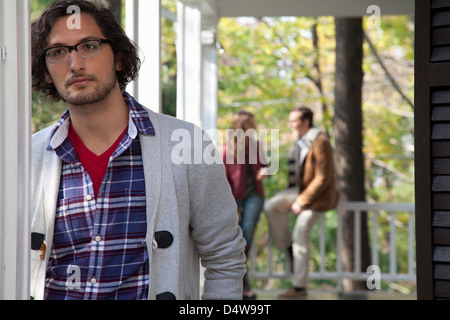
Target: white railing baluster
point(375, 256)
point(358, 208)
point(357, 241)
point(392, 246)
point(322, 243)
point(411, 240)
point(340, 211)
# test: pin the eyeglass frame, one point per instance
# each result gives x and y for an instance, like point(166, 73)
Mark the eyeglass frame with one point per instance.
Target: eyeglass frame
point(75, 47)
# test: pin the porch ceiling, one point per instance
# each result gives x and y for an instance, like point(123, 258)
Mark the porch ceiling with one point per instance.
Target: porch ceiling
point(338, 8)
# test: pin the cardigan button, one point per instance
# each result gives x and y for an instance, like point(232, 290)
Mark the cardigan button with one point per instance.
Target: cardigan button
point(166, 296)
point(162, 239)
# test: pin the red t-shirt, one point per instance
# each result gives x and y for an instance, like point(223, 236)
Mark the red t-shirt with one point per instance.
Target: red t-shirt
point(95, 165)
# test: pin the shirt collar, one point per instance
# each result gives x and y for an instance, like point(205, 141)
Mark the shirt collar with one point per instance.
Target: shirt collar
point(139, 122)
point(139, 116)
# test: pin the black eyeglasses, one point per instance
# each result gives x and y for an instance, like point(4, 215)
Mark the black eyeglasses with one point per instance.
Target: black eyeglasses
point(86, 49)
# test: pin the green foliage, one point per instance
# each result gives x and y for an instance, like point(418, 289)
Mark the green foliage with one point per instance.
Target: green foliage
point(168, 61)
point(37, 6)
point(45, 112)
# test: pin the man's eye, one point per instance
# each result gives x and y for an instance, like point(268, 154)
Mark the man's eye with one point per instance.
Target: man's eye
point(57, 52)
point(90, 46)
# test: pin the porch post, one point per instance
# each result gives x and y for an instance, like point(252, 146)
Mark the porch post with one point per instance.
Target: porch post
point(197, 63)
point(189, 57)
point(143, 25)
point(15, 136)
point(209, 77)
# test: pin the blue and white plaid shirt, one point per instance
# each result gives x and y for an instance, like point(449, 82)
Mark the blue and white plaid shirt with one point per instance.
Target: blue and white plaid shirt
point(99, 249)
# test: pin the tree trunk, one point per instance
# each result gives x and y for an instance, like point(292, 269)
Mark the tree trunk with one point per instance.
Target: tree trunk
point(348, 138)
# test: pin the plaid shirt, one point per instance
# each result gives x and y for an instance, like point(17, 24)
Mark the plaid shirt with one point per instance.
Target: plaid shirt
point(99, 249)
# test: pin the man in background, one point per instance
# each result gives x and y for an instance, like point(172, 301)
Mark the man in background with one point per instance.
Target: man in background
point(312, 190)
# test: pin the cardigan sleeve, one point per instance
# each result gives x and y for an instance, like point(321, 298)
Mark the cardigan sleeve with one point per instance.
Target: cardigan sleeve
point(215, 230)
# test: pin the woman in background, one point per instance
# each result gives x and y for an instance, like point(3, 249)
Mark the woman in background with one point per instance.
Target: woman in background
point(245, 171)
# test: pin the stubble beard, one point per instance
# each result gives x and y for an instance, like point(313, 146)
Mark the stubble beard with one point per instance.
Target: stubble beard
point(98, 95)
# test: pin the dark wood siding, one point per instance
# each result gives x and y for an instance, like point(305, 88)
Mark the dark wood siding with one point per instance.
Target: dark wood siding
point(440, 31)
point(432, 134)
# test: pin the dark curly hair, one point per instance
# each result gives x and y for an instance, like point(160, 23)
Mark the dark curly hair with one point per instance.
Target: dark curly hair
point(120, 43)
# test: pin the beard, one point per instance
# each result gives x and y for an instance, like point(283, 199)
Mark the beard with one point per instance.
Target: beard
point(94, 97)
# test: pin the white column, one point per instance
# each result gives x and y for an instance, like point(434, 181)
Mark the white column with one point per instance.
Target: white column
point(15, 133)
point(143, 25)
point(189, 57)
point(209, 80)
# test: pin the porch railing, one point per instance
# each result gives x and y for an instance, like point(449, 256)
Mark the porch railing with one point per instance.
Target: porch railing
point(390, 226)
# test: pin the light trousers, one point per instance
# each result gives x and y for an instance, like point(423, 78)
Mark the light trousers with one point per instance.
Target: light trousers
point(278, 211)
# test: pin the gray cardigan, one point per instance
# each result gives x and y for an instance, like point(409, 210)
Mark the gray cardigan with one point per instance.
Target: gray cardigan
point(192, 201)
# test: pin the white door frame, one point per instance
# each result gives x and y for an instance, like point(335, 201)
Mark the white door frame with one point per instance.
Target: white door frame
point(15, 141)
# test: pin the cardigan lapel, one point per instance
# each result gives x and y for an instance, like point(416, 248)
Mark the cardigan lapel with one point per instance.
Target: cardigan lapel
point(151, 157)
point(152, 162)
point(51, 177)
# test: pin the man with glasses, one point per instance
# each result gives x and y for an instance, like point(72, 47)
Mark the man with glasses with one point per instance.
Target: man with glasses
point(311, 191)
point(112, 216)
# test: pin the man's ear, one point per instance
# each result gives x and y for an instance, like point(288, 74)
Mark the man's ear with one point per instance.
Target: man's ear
point(119, 61)
point(48, 78)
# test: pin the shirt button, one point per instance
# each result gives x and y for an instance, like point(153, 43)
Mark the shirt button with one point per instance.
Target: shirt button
point(93, 280)
point(88, 197)
point(98, 238)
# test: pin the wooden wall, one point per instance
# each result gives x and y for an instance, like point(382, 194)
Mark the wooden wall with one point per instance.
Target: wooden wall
point(432, 148)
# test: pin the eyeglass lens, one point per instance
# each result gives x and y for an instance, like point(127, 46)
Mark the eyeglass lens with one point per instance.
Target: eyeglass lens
point(85, 49)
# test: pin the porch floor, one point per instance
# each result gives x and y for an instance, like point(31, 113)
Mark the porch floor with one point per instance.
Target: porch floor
point(334, 295)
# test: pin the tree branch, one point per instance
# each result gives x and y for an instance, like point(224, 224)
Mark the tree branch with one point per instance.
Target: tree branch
point(386, 71)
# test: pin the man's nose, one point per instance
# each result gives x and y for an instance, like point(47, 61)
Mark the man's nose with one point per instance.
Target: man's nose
point(77, 62)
